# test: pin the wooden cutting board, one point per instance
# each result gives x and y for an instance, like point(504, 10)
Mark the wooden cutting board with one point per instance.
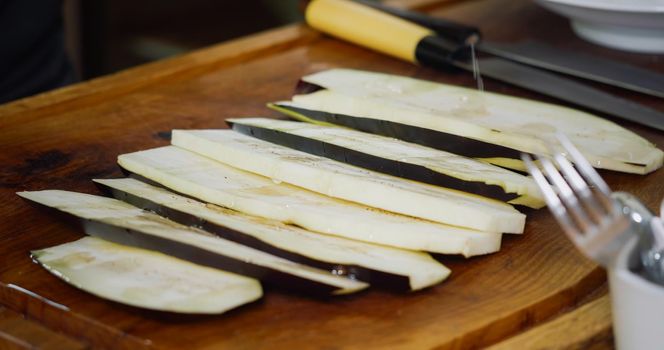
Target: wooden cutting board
point(65, 138)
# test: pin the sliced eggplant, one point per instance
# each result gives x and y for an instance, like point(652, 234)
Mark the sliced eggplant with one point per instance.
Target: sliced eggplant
point(214, 182)
point(465, 146)
point(122, 223)
point(146, 279)
point(385, 104)
point(392, 268)
point(394, 157)
point(351, 183)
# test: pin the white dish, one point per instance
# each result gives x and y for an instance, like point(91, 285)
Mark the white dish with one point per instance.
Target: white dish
point(637, 304)
point(632, 25)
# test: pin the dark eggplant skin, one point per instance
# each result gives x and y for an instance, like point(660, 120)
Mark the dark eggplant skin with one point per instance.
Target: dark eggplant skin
point(204, 257)
point(271, 277)
point(376, 278)
point(386, 166)
point(435, 139)
point(304, 88)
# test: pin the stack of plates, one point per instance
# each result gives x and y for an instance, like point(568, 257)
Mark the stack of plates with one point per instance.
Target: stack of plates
point(633, 25)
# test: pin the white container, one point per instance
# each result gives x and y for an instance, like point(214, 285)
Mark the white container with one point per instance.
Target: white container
point(632, 25)
point(638, 304)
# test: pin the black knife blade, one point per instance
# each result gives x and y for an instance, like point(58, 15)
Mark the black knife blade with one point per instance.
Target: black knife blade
point(580, 65)
point(540, 55)
point(392, 35)
point(571, 91)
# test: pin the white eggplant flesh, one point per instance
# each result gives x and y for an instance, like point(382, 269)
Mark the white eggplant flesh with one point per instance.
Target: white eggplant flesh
point(512, 122)
point(214, 182)
point(448, 169)
point(351, 183)
point(146, 279)
point(119, 222)
point(375, 264)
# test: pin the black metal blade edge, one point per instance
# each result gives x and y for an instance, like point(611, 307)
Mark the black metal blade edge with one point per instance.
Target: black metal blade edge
point(374, 277)
point(570, 91)
point(582, 65)
point(364, 160)
point(430, 52)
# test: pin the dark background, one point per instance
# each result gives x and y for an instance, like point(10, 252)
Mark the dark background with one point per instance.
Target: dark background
point(104, 36)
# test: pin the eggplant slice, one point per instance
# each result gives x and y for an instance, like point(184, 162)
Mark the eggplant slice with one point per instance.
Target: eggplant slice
point(395, 269)
point(214, 182)
point(119, 222)
point(351, 183)
point(498, 155)
point(402, 107)
point(395, 157)
point(146, 279)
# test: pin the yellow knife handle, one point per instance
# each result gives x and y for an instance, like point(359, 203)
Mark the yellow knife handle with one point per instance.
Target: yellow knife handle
point(367, 27)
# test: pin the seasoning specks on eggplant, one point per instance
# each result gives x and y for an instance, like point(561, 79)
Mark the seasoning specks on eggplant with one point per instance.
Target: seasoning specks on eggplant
point(387, 101)
point(146, 279)
point(214, 182)
point(392, 268)
point(121, 223)
point(394, 157)
point(350, 183)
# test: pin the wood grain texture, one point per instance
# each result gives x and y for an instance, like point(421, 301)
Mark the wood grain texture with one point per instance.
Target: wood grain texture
point(18, 332)
point(182, 67)
point(59, 319)
point(588, 326)
point(63, 139)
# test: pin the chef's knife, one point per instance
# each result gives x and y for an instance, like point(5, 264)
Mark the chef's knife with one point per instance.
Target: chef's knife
point(388, 34)
point(540, 55)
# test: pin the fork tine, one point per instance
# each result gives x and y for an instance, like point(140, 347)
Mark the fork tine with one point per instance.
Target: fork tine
point(567, 196)
point(574, 194)
point(551, 198)
point(585, 169)
point(550, 195)
point(579, 185)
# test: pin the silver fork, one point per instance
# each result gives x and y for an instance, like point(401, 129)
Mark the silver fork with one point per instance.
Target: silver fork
point(595, 219)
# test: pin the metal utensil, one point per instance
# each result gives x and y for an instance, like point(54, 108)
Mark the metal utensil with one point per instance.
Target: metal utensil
point(652, 252)
point(597, 220)
point(539, 55)
point(406, 40)
point(580, 65)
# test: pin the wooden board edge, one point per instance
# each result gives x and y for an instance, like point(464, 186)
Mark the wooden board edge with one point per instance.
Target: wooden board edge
point(18, 332)
point(530, 315)
point(194, 63)
point(187, 65)
point(588, 326)
point(61, 319)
